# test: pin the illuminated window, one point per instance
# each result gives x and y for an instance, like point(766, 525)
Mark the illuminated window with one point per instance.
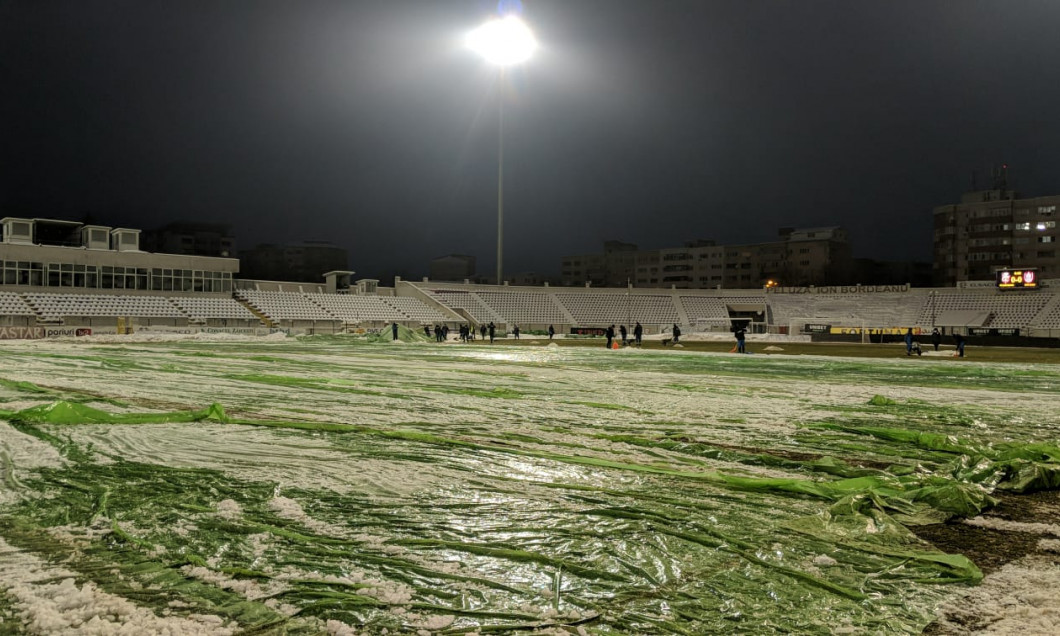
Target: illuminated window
point(1023, 226)
point(1046, 239)
point(1045, 225)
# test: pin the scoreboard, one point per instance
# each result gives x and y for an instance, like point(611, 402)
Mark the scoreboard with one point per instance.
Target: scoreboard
point(1017, 278)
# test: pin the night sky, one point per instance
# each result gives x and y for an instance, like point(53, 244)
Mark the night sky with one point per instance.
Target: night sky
point(651, 121)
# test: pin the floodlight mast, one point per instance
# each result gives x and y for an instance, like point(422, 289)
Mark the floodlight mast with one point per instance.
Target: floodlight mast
point(503, 42)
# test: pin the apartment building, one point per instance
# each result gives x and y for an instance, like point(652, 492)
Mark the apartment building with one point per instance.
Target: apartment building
point(806, 256)
point(995, 229)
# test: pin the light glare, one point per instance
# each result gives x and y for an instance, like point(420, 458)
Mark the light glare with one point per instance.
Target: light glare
point(503, 41)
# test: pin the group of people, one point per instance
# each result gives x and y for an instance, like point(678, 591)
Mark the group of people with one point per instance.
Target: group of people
point(467, 334)
point(638, 334)
point(441, 333)
point(912, 346)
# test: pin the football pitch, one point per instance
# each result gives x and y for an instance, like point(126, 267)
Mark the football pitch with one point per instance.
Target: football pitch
point(331, 485)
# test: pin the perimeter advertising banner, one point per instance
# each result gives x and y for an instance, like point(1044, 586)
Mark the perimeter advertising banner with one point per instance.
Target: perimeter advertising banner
point(588, 331)
point(889, 331)
point(37, 333)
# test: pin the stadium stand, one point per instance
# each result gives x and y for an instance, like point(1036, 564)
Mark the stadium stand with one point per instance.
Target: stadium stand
point(207, 308)
point(654, 309)
point(56, 306)
point(1034, 313)
point(1048, 319)
point(854, 310)
point(356, 309)
point(1008, 310)
point(413, 309)
point(285, 305)
point(700, 309)
point(469, 302)
point(11, 304)
point(595, 309)
point(520, 307)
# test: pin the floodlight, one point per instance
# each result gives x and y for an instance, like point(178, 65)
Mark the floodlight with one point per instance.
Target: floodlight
point(503, 41)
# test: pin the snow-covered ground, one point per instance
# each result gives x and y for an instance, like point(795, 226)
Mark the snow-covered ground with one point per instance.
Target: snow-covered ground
point(563, 487)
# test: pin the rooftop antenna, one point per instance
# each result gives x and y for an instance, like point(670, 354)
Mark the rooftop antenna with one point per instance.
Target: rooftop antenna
point(1000, 175)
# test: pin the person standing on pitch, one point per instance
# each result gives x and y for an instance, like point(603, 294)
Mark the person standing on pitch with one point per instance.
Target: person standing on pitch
point(492, 329)
point(551, 332)
point(427, 330)
point(936, 338)
point(677, 333)
point(515, 332)
point(909, 342)
point(393, 329)
point(482, 330)
point(610, 333)
point(638, 332)
point(741, 335)
point(622, 332)
point(959, 340)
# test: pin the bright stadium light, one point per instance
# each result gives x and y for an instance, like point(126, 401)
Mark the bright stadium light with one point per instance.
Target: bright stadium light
point(503, 41)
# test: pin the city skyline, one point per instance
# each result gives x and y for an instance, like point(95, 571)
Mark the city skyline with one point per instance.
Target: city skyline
point(368, 125)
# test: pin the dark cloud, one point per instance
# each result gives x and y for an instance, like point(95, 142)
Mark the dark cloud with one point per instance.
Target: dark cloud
point(656, 122)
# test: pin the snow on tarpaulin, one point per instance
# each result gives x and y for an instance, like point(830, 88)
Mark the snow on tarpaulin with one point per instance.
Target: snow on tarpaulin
point(560, 502)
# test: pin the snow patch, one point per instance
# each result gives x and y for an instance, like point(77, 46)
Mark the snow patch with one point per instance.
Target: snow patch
point(247, 588)
point(229, 509)
point(1017, 600)
point(291, 510)
point(995, 523)
point(46, 607)
point(824, 560)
